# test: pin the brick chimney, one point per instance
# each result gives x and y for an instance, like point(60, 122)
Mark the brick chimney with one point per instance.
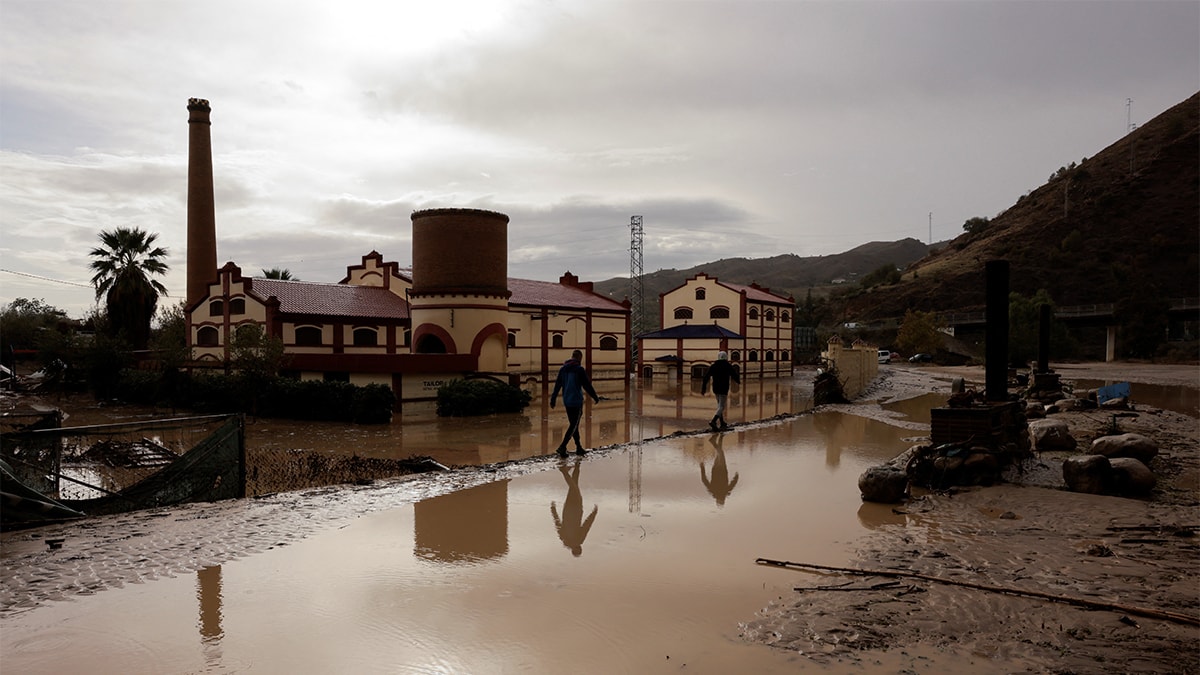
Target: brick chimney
point(201, 211)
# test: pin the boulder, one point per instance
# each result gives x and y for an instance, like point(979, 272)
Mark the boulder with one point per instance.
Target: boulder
point(981, 467)
point(1050, 434)
point(1136, 446)
point(1073, 404)
point(885, 484)
point(1034, 410)
point(1118, 403)
point(1131, 477)
point(1091, 474)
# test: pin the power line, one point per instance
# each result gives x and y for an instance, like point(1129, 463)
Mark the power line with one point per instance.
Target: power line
point(69, 283)
point(57, 281)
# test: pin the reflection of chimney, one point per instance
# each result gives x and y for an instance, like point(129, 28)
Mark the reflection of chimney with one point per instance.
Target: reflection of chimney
point(201, 213)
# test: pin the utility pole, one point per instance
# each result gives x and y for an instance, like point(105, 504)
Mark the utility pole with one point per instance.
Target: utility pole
point(931, 228)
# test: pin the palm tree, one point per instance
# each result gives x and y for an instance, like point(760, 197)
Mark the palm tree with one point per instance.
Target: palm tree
point(124, 267)
point(283, 274)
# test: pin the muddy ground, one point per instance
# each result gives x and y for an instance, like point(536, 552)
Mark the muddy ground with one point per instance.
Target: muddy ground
point(1137, 555)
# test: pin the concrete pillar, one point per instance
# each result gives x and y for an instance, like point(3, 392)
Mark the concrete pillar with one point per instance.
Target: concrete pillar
point(201, 213)
point(1110, 348)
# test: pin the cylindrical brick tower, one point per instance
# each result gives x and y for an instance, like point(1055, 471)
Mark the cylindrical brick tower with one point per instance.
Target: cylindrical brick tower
point(460, 284)
point(201, 210)
point(460, 251)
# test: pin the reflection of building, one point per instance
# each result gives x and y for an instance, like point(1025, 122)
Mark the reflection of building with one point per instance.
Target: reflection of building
point(454, 314)
point(704, 316)
point(463, 526)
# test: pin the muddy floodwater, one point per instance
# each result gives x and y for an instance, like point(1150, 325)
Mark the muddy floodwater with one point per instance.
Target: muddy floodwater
point(637, 558)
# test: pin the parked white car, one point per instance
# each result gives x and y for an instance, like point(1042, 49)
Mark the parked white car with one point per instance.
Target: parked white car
point(885, 355)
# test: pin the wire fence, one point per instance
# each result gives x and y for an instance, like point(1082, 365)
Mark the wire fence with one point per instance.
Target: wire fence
point(53, 473)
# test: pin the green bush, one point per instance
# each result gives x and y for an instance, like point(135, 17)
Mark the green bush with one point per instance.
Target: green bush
point(466, 398)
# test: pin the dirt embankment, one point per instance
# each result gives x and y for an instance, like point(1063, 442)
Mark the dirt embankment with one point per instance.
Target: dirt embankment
point(1025, 543)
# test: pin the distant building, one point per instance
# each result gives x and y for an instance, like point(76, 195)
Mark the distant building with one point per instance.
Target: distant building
point(455, 314)
point(705, 315)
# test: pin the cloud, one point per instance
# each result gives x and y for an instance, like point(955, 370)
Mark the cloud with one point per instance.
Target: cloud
point(737, 129)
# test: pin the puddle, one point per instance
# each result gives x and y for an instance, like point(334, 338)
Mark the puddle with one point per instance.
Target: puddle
point(1177, 398)
point(917, 409)
point(630, 412)
point(635, 560)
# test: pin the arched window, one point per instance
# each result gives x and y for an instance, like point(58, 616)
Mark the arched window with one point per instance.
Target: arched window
point(608, 343)
point(785, 317)
point(699, 293)
point(430, 344)
point(718, 313)
point(216, 308)
point(770, 355)
point(683, 313)
point(783, 355)
point(207, 336)
point(770, 315)
point(735, 356)
point(512, 339)
point(308, 336)
point(753, 355)
point(648, 371)
point(237, 306)
point(556, 341)
point(754, 314)
point(366, 337)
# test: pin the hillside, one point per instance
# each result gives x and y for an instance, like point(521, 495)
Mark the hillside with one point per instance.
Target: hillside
point(788, 274)
point(1123, 225)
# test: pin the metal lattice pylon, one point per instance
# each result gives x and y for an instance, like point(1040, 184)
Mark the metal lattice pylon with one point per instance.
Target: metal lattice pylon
point(637, 289)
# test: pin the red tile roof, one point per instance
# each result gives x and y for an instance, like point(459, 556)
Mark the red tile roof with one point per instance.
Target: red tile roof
point(552, 294)
point(757, 294)
point(302, 297)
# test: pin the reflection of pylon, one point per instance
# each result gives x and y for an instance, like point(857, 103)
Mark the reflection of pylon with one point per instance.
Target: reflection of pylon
point(635, 455)
point(635, 479)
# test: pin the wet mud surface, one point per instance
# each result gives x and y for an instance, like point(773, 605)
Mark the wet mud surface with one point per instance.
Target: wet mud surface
point(703, 606)
point(1029, 536)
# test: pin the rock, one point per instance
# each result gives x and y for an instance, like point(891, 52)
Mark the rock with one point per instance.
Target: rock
point(1034, 410)
point(1131, 477)
point(1118, 403)
point(981, 468)
point(1136, 446)
point(1050, 434)
point(1071, 404)
point(1091, 474)
point(884, 484)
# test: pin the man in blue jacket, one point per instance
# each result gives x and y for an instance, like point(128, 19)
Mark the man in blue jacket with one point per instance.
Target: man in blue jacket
point(572, 381)
point(720, 372)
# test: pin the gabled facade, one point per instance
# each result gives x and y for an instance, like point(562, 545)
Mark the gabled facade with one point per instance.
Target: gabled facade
point(705, 315)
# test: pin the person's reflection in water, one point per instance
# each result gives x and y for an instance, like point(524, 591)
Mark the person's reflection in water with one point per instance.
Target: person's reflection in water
point(719, 486)
point(572, 528)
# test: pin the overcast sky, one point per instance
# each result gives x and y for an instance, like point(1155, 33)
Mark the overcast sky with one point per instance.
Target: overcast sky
point(736, 129)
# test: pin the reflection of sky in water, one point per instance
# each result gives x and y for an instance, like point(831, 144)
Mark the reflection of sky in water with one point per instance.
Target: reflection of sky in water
point(488, 579)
